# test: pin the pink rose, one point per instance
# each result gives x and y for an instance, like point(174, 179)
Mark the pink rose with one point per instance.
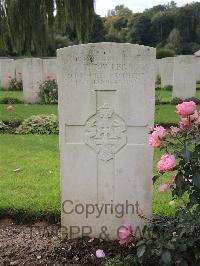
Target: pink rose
point(174, 130)
point(124, 233)
point(159, 131)
point(195, 117)
point(155, 142)
point(164, 187)
point(197, 121)
point(186, 108)
point(100, 254)
point(185, 123)
point(167, 162)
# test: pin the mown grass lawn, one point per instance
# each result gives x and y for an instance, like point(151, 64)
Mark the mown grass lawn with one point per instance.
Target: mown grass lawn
point(163, 114)
point(33, 189)
point(11, 94)
point(166, 96)
point(22, 111)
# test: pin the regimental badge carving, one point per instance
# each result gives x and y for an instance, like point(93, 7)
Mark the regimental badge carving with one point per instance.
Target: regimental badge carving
point(105, 133)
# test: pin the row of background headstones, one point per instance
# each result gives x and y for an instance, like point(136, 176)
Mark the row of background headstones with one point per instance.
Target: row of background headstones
point(181, 72)
point(92, 170)
point(32, 71)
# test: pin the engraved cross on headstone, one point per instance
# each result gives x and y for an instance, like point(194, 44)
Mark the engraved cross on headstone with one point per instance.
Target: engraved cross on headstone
point(106, 133)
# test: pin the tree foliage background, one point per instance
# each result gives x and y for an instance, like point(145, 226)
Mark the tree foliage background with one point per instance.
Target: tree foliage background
point(33, 27)
point(39, 27)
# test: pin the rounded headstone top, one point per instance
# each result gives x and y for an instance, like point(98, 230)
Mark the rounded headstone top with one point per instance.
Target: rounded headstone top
point(106, 44)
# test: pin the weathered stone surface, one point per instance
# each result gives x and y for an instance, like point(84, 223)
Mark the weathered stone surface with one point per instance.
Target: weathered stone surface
point(32, 76)
point(197, 59)
point(7, 72)
point(166, 66)
point(106, 105)
point(184, 78)
point(19, 68)
point(49, 68)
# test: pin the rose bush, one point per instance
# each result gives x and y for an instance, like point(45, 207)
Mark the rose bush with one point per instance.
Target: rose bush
point(182, 146)
point(15, 85)
point(49, 90)
point(175, 241)
point(39, 124)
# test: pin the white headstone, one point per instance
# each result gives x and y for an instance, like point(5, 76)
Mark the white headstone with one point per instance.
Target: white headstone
point(19, 68)
point(7, 72)
point(32, 77)
point(49, 68)
point(197, 59)
point(184, 78)
point(166, 71)
point(106, 105)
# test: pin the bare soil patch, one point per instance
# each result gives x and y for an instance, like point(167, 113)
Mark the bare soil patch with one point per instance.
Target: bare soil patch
point(41, 244)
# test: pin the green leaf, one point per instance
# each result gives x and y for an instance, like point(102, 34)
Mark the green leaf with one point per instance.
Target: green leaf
point(183, 247)
point(166, 257)
point(141, 250)
point(141, 242)
point(185, 154)
point(170, 246)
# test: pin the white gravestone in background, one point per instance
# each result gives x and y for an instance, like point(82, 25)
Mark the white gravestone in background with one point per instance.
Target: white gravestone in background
point(32, 77)
point(184, 78)
point(7, 72)
point(106, 106)
point(49, 68)
point(197, 59)
point(166, 71)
